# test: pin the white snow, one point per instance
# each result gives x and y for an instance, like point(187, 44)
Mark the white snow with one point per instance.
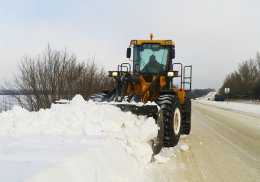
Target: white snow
point(237, 106)
point(167, 154)
point(242, 107)
point(209, 96)
point(160, 159)
point(184, 147)
point(84, 141)
point(80, 141)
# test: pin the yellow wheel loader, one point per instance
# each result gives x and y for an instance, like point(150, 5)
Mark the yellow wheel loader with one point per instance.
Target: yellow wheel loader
point(154, 77)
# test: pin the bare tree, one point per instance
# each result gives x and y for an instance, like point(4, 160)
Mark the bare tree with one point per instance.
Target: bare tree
point(257, 59)
point(256, 87)
point(248, 72)
point(55, 75)
point(245, 82)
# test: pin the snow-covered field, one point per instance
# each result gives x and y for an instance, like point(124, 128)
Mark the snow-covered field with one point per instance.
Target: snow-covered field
point(74, 142)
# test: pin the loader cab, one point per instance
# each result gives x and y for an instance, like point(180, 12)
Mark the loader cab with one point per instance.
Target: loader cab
point(151, 57)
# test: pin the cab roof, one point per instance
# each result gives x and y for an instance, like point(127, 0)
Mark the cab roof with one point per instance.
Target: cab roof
point(162, 42)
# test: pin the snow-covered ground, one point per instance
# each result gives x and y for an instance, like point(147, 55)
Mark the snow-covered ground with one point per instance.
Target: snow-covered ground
point(209, 96)
point(236, 106)
point(74, 142)
point(85, 141)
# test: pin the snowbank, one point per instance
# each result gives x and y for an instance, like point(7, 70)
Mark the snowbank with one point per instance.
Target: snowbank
point(209, 96)
point(242, 107)
point(120, 154)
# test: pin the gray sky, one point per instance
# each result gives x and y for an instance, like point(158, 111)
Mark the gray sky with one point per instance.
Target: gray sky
point(213, 36)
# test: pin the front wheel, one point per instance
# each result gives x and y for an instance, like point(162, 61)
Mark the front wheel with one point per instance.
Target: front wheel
point(172, 118)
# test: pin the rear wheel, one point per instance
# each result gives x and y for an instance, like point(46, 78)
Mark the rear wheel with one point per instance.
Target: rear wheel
point(186, 127)
point(171, 116)
point(186, 117)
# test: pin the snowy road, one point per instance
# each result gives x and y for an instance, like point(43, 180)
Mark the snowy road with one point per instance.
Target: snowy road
point(224, 146)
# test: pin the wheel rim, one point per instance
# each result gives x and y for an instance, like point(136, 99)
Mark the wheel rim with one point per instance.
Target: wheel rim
point(176, 121)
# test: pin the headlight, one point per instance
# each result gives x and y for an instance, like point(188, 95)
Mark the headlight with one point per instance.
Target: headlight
point(133, 42)
point(114, 74)
point(170, 73)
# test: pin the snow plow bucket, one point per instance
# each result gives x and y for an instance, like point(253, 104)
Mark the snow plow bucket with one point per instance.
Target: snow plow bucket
point(140, 110)
point(149, 111)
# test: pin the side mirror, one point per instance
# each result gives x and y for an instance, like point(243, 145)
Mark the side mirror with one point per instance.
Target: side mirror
point(128, 52)
point(173, 53)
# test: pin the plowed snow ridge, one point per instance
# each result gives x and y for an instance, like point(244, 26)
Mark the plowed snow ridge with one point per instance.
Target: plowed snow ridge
point(120, 153)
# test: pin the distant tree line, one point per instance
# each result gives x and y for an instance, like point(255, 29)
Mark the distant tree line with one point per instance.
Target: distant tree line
point(10, 92)
point(244, 83)
point(201, 92)
point(55, 75)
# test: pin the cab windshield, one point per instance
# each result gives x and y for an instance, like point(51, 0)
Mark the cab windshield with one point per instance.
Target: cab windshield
point(150, 58)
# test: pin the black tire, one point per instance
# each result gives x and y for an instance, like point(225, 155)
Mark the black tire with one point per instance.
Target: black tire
point(98, 97)
point(186, 128)
point(170, 108)
point(186, 117)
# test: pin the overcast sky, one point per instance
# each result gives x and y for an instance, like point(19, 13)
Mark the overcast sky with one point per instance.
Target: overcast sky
point(213, 36)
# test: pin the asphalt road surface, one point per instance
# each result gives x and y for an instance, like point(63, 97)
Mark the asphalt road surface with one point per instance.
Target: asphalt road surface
point(224, 146)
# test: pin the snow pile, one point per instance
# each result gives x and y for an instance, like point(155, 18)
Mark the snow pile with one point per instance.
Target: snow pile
point(118, 142)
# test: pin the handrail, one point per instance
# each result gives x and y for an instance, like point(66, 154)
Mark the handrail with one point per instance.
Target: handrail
point(180, 74)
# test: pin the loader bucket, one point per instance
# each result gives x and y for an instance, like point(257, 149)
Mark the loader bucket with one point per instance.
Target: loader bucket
point(142, 110)
point(149, 111)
